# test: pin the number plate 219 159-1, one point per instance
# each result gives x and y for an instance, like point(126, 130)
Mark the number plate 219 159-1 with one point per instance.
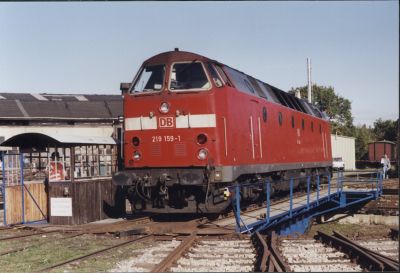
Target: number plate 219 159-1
point(165, 138)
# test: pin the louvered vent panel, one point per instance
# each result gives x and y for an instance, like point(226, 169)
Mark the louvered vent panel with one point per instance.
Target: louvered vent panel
point(180, 149)
point(155, 149)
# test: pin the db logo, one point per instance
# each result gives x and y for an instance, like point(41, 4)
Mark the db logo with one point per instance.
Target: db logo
point(166, 122)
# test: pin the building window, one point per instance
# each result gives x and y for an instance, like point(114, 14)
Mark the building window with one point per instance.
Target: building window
point(302, 124)
point(292, 121)
point(312, 126)
point(280, 118)
point(93, 161)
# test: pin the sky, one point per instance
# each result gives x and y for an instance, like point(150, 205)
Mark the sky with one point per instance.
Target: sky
point(91, 47)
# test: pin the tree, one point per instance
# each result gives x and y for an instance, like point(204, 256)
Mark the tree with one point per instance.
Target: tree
point(336, 107)
point(363, 135)
point(386, 129)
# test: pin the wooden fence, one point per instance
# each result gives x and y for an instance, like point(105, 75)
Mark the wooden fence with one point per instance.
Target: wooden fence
point(92, 200)
point(25, 203)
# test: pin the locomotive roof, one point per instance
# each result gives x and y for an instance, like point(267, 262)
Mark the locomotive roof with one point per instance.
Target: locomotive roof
point(282, 97)
point(174, 56)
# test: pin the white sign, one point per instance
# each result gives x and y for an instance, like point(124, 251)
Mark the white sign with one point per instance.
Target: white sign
point(61, 206)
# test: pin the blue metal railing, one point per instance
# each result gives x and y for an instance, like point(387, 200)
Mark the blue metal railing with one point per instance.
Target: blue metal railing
point(339, 198)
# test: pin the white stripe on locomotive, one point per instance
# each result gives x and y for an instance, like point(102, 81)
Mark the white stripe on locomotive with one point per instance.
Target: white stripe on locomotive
point(183, 121)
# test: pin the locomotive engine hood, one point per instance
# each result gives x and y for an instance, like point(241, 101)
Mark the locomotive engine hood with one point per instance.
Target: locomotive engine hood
point(170, 113)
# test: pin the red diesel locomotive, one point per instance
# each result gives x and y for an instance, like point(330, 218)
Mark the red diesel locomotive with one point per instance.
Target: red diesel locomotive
point(193, 126)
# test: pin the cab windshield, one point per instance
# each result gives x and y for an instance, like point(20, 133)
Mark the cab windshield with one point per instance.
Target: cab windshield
point(188, 76)
point(151, 79)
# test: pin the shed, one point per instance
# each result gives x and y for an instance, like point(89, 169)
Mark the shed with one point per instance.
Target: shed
point(344, 147)
point(80, 130)
point(62, 179)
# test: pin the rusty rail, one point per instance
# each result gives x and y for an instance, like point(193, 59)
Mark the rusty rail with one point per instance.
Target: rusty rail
point(389, 263)
point(277, 259)
point(355, 253)
point(27, 235)
point(262, 252)
point(268, 257)
point(166, 263)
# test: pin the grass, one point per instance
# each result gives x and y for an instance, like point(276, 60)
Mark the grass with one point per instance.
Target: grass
point(41, 256)
point(350, 230)
point(27, 241)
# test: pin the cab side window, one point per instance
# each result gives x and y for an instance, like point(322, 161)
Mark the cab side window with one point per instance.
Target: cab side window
point(214, 75)
point(239, 80)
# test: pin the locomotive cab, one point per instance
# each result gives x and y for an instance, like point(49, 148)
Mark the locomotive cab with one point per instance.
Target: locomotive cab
point(170, 133)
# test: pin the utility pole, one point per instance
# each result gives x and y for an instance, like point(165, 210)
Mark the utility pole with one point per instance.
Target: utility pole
point(309, 79)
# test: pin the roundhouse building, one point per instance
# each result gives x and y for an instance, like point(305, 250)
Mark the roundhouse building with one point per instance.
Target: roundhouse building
point(64, 138)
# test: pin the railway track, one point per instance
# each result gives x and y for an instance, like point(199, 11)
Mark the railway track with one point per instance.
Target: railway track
point(386, 247)
point(364, 256)
point(303, 255)
point(337, 253)
point(217, 254)
point(195, 253)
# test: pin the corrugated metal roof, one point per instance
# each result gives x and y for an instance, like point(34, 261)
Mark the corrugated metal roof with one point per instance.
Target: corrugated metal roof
point(64, 106)
point(8, 108)
point(42, 140)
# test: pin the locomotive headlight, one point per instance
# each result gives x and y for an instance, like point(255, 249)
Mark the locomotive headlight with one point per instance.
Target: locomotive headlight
point(164, 107)
point(201, 139)
point(135, 141)
point(202, 154)
point(218, 175)
point(136, 155)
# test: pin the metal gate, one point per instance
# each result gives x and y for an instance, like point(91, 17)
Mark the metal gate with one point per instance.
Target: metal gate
point(23, 202)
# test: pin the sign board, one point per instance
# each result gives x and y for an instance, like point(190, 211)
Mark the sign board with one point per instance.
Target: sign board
point(61, 206)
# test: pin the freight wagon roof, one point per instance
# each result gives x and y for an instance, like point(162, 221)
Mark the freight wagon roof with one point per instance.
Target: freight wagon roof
point(30, 106)
point(383, 141)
